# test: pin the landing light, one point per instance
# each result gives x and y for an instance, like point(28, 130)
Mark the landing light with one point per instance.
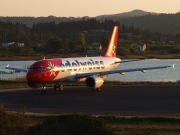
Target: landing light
point(122, 73)
point(144, 71)
point(173, 66)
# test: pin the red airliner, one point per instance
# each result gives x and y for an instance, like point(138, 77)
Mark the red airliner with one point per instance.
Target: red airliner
point(92, 70)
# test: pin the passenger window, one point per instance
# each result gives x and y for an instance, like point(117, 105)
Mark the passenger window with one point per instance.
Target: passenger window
point(103, 67)
point(69, 70)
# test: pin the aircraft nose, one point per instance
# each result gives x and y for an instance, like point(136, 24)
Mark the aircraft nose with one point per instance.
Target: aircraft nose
point(43, 71)
point(30, 77)
point(34, 76)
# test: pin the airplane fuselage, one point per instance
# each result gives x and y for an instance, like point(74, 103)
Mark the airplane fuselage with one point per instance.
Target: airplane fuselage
point(65, 69)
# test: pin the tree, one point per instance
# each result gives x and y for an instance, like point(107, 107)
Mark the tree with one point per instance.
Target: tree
point(4, 50)
point(79, 39)
point(15, 49)
point(28, 51)
point(55, 45)
point(123, 51)
point(78, 43)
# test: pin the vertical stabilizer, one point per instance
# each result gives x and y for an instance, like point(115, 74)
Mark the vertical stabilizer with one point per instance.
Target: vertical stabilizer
point(112, 47)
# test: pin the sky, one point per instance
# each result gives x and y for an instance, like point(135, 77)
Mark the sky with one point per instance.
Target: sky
point(80, 8)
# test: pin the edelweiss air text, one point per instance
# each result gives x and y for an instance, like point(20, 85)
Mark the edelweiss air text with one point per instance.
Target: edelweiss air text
point(76, 63)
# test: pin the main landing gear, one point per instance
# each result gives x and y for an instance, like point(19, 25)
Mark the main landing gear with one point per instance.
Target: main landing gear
point(96, 89)
point(58, 86)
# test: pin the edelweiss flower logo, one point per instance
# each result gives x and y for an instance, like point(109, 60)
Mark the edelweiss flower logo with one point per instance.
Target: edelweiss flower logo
point(113, 48)
point(51, 67)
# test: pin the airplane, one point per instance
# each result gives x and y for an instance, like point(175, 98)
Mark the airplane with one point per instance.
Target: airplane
point(91, 70)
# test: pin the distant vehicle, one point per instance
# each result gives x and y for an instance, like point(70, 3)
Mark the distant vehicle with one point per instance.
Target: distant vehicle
point(92, 70)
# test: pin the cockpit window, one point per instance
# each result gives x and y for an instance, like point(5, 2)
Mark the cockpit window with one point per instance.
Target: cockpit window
point(37, 68)
point(31, 68)
point(41, 68)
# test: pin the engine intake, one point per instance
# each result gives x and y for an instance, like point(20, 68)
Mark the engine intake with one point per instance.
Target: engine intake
point(94, 82)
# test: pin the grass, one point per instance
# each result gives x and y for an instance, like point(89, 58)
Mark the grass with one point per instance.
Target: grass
point(22, 83)
point(131, 56)
point(141, 82)
point(18, 123)
point(150, 56)
point(144, 125)
point(13, 83)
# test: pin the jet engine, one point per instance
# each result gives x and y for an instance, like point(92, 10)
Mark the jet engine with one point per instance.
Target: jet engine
point(94, 82)
point(34, 85)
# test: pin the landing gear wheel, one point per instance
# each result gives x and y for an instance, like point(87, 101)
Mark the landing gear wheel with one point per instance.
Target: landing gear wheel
point(58, 86)
point(61, 87)
point(96, 89)
point(93, 89)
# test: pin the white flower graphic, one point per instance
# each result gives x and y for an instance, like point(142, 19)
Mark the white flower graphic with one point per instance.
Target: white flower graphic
point(113, 48)
point(51, 67)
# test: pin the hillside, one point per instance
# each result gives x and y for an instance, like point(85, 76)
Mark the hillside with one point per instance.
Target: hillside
point(165, 23)
point(134, 13)
point(29, 21)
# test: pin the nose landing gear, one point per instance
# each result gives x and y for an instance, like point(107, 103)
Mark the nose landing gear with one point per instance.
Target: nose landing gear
point(43, 89)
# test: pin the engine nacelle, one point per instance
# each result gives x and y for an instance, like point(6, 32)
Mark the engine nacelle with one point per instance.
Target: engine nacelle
point(34, 85)
point(94, 82)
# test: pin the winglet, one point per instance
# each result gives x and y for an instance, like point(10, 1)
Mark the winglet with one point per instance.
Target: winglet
point(7, 66)
point(112, 47)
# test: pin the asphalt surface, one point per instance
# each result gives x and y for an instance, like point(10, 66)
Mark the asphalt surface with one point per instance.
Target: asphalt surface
point(138, 100)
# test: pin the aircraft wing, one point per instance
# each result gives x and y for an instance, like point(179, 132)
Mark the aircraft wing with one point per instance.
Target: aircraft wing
point(123, 71)
point(17, 69)
point(123, 61)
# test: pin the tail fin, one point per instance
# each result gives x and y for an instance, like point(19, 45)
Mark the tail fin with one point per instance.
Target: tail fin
point(112, 47)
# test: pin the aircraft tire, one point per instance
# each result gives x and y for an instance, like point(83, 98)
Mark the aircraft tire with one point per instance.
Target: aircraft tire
point(93, 89)
point(96, 89)
point(61, 87)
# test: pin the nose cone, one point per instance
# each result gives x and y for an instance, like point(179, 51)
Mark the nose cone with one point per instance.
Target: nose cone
point(39, 76)
point(29, 76)
point(35, 76)
point(42, 72)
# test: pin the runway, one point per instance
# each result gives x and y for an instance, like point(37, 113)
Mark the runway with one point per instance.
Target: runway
point(134, 100)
